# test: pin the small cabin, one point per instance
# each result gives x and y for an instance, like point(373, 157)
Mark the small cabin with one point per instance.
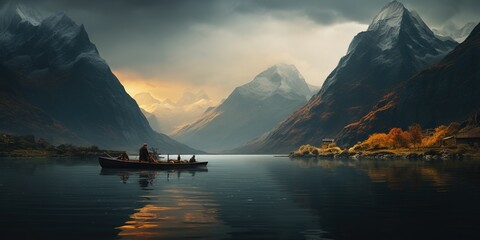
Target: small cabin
point(327, 141)
point(462, 138)
point(448, 141)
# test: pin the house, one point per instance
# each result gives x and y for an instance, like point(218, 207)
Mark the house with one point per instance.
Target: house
point(470, 138)
point(467, 138)
point(327, 141)
point(448, 141)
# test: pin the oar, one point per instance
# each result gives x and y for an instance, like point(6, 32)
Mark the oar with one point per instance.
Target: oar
point(108, 154)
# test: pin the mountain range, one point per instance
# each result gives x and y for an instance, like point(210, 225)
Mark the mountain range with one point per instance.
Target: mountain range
point(167, 116)
point(459, 34)
point(249, 111)
point(55, 85)
point(396, 45)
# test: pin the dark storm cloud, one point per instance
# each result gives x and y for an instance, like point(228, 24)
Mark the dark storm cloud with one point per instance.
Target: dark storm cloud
point(145, 21)
point(327, 11)
point(215, 11)
point(153, 34)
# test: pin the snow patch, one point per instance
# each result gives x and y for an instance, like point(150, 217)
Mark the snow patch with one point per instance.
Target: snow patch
point(14, 12)
point(281, 79)
point(28, 17)
point(390, 16)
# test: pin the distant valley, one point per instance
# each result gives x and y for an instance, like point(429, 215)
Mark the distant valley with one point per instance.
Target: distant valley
point(249, 111)
point(167, 116)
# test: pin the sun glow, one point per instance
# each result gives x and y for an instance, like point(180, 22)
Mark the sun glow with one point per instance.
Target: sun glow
point(162, 219)
point(161, 89)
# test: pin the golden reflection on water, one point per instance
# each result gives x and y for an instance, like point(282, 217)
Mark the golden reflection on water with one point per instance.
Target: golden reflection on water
point(171, 213)
point(397, 174)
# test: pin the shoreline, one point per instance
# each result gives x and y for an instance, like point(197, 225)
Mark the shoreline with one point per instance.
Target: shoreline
point(34, 153)
point(426, 154)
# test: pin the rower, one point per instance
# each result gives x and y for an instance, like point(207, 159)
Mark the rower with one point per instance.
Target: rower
point(143, 154)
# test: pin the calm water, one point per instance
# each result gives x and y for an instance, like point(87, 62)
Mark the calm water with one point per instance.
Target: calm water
point(241, 197)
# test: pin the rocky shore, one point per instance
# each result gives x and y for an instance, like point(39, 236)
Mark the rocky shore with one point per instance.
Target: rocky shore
point(427, 154)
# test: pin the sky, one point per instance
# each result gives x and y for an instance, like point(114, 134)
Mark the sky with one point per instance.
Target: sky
point(169, 47)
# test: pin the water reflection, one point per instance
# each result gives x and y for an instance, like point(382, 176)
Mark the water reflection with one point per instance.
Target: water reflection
point(397, 174)
point(387, 199)
point(170, 209)
point(168, 215)
point(146, 178)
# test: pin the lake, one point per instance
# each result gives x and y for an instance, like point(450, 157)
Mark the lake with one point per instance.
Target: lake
point(241, 197)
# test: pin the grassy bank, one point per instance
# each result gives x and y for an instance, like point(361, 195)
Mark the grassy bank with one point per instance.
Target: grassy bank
point(419, 153)
point(28, 146)
point(413, 143)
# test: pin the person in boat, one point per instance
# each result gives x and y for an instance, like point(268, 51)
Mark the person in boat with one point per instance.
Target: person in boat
point(123, 156)
point(143, 154)
point(192, 159)
point(178, 158)
point(151, 158)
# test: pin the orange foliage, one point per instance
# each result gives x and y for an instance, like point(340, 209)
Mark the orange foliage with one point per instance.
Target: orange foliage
point(414, 137)
point(440, 132)
point(399, 138)
point(416, 134)
point(377, 141)
point(396, 138)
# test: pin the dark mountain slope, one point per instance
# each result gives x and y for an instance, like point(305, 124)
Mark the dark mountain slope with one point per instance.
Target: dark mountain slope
point(55, 72)
point(441, 94)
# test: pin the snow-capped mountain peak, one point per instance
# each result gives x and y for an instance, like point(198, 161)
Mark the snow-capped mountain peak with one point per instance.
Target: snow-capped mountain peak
point(282, 79)
point(249, 111)
point(390, 16)
point(394, 20)
point(12, 12)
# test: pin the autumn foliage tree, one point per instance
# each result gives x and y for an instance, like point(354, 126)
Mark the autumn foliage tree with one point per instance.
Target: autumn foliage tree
point(413, 137)
point(399, 138)
point(416, 134)
point(376, 141)
point(395, 138)
point(440, 132)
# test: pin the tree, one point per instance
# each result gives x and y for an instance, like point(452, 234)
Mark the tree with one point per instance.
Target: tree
point(399, 138)
point(416, 134)
point(439, 133)
point(377, 141)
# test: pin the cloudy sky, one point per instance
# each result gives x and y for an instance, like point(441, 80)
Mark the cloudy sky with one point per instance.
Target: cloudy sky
point(168, 47)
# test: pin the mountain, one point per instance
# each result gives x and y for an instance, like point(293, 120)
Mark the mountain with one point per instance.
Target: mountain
point(457, 33)
point(152, 120)
point(396, 45)
point(49, 68)
point(313, 89)
point(444, 93)
point(145, 99)
point(167, 115)
point(189, 98)
point(249, 110)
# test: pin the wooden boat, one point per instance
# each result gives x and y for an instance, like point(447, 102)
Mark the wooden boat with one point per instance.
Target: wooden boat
point(107, 162)
point(125, 171)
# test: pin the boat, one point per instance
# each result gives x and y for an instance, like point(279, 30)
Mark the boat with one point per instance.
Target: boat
point(124, 171)
point(108, 162)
